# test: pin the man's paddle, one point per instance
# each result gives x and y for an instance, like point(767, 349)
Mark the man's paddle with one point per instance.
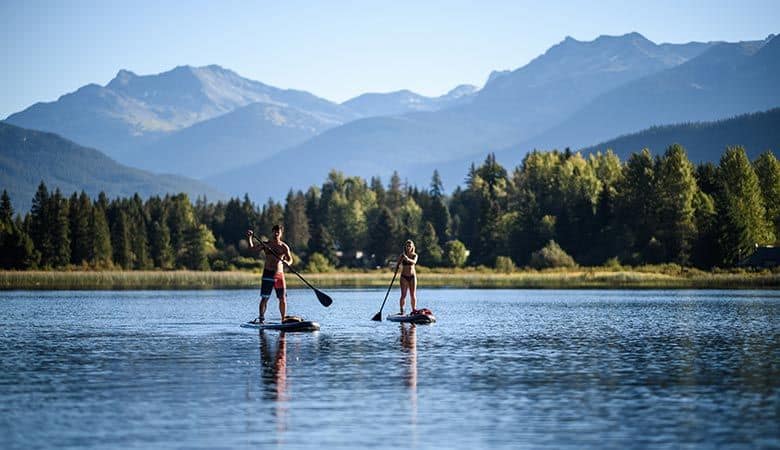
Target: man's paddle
point(321, 296)
point(378, 316)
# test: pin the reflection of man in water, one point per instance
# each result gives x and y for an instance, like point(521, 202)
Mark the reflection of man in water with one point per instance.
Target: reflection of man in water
point(274, 375)
point(274, 365)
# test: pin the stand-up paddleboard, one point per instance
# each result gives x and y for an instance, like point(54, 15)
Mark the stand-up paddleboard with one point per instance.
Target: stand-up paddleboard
point(289, 324)
point(421, 316)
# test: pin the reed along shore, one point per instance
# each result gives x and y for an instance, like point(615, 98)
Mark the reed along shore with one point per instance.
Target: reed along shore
point(576, 278)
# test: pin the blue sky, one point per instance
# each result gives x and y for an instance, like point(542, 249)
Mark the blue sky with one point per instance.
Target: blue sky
point(334, 49)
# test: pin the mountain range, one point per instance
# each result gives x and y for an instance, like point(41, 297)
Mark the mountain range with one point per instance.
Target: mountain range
point(726, 80)
point(241, 135)
point(510, 109)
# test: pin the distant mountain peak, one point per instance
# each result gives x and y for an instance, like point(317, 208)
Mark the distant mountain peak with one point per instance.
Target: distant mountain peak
point(122, 77)
point(632, 37)
point(461, 91)
point(496, 74)
point(624, 37)
point(635, 35)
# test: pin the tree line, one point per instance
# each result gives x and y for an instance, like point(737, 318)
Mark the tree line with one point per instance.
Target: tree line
point(555, 208)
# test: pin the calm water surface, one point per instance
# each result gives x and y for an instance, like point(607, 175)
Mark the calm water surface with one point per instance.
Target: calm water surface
point(501, 369)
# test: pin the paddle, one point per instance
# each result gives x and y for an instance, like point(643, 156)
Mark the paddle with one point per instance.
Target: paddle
point(321, 296)
point(378, 316)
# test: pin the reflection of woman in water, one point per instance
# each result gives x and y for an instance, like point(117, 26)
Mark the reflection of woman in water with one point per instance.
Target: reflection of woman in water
point(409, 346)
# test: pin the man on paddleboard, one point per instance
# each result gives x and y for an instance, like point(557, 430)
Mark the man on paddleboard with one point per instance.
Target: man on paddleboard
point(276, 254)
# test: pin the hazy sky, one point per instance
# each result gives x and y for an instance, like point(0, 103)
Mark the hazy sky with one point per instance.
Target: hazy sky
point(334, 49)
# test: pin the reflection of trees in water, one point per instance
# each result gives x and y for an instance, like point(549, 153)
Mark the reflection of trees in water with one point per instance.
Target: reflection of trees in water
point(274, 376)
point(409, 346)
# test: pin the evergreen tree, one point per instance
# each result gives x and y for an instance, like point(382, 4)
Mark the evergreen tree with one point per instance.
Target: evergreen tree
point(100, 238)
point(80, 212)
point(138, 227)
point(437, 187)
point(162, 253)
point(705, 246)
point(579, 185)
point(40, 220)
point(378, 189)
point(120, 241)
point(636, 204)
point(59, 230)
point(271, 214)
point(6, 210)
point(394, 194)
point(250, 212)
point(180, 218)
point(604, 244)
point(102, 201)
point(237, 222)
point(768, 171)
point(313, 214)
point(436, 212)
point(296, 223)
point(486, 201)
point(675, 190)
point(530, 229)
point(16, 247)
point(464, 210)
point(423, 199)
point(741, 214)
point(428, 248)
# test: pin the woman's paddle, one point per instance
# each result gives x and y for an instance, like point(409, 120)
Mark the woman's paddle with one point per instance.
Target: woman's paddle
point(321, 296)
point(378, 316)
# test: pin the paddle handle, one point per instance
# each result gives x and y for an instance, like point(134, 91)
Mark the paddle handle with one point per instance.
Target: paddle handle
point(397, 265)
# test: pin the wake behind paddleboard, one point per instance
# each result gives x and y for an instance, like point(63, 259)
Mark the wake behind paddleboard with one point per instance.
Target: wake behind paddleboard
point(419, 318)
point(306, 325)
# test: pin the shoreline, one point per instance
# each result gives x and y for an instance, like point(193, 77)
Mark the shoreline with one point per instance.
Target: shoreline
point(581, 278)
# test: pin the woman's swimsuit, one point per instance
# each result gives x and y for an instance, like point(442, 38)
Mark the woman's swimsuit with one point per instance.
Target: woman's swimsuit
point(411, 277)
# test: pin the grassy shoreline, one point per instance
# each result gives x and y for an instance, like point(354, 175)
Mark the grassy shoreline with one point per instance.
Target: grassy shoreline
point(580, 278)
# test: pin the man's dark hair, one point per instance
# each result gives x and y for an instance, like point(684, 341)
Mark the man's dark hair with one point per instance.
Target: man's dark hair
point(277, 227)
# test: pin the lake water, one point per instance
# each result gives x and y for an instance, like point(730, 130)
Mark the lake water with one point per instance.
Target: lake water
point(500, 369)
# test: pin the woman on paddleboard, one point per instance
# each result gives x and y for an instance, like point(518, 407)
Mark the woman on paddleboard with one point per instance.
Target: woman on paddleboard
point(407, 261)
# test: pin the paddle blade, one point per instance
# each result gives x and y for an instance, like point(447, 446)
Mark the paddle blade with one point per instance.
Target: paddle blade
point(323, 298)
point(377, 317)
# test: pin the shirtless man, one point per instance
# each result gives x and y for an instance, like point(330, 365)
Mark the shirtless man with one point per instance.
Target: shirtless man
point(276, 254)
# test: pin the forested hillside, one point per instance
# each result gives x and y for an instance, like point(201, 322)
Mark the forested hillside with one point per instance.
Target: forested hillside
point(28, 156)
point(757, 132)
